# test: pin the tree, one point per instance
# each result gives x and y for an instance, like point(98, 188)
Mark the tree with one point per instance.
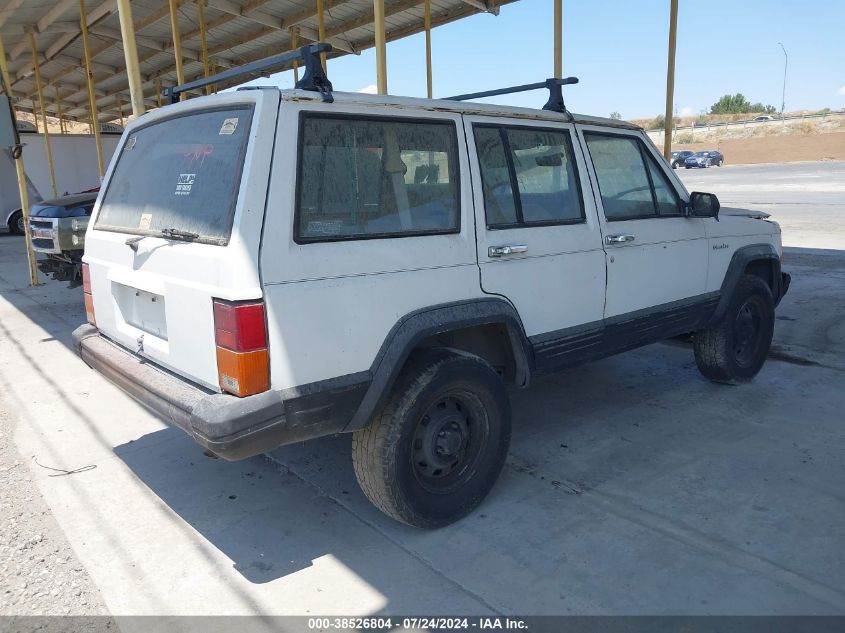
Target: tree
point(731, 104)
point(738, 104)
point(659, 122)
point(616, 116)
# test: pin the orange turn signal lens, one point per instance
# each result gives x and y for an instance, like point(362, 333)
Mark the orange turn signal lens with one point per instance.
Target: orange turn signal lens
point(89, 309)
point(86, 295)
point(243, 373)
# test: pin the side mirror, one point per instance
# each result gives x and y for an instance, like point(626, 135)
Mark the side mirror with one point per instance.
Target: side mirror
point(703, 205)
point(9, 138)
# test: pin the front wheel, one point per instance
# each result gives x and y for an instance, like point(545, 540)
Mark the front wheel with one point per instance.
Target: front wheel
point(438, 445)
point(734, 350)
point(16, 226)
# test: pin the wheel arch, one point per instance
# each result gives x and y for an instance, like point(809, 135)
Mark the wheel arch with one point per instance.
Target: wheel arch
point(757, 259)
point(442, 325)
point(11, 214)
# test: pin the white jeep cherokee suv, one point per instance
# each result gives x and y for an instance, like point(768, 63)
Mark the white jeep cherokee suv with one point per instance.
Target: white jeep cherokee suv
point(265, 267)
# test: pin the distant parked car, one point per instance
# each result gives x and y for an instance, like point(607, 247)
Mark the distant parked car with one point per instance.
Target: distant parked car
point(764, 117)
point(704, 159)
point(678, 158)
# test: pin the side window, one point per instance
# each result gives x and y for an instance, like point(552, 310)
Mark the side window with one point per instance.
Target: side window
point(362, 178)
point(623, 182)
point(631, 184)
point(664, 194)
point(528, 175)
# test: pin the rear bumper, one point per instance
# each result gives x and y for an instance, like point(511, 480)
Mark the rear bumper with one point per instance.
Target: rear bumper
point(233, 428)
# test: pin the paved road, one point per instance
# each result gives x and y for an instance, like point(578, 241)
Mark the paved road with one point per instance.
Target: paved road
point(807, 199)
point(633, 485)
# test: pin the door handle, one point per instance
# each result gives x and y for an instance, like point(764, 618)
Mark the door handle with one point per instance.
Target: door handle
point(618, 239)
point(501, 251)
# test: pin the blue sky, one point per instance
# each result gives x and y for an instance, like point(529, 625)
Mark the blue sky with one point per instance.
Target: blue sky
point(618, 48)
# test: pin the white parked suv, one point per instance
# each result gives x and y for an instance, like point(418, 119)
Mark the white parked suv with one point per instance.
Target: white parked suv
point(268, 266)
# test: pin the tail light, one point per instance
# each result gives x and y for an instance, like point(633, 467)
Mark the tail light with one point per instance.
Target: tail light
point(240, 333)
point(86, 295)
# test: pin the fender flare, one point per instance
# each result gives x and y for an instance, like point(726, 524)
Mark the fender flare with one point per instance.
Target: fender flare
point(420, 324)
point(10, 214)
point(740, 260)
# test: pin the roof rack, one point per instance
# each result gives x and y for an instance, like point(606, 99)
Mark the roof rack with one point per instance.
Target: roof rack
point(555, 102)
point(314, 78)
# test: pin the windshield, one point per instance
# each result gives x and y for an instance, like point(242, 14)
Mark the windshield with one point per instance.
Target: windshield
point(179, 176)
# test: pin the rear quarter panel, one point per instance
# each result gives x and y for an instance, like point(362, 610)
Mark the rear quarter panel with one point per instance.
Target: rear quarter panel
point(330, 305)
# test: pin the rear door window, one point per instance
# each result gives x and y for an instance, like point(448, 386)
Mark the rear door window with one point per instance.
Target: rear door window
point(541, 164)
point(181, 173)
point(368, 177)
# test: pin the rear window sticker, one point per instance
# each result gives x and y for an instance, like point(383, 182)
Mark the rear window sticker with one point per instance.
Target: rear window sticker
point(130, 143)
point(146, 221)
point(184, 184)
point(229, 126)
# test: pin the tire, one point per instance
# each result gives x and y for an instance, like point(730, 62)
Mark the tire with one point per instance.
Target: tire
point(733, 351)
point(445, 405)
point(16, 223)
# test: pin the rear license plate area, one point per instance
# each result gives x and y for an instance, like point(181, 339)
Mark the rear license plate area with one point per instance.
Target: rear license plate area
point(141, 309)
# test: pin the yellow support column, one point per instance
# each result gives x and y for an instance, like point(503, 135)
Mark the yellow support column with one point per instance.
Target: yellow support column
point(62, 127)
point(130, 53)
point(558, 39)
point(670, 79)
point(120, 109)
point(294, 44)
point(321, 30)
point(381, 47)
point(92, 101)
point(206, 70)
point(37, 66)
point(22, 188)
point(177, 45)
point(427, 12)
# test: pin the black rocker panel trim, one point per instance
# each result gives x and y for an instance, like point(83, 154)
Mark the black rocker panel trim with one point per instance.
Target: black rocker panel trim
point(421, 324)
point(572, 346)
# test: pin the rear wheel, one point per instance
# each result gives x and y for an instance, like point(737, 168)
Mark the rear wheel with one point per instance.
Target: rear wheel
point(734, 350)
point(16, 226)
point(438, 445)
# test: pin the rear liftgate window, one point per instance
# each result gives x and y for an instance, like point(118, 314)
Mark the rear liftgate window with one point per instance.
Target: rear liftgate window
point(364, 178)
point(182, 174)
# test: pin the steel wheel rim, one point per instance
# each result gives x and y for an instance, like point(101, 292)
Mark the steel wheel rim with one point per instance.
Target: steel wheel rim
point(20, 224)
point(448, 441)
point(747, 330)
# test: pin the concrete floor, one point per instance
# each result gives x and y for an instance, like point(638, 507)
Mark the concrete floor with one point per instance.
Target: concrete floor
point(633, 485)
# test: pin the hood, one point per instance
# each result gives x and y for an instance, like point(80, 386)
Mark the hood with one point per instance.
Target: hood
point(63, 207)
point(744, 213)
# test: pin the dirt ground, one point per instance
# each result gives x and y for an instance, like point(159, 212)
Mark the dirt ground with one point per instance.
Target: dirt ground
point(775, 149)
point(39, 572)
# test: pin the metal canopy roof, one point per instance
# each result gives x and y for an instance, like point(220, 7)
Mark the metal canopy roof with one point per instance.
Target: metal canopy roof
point(237, 32)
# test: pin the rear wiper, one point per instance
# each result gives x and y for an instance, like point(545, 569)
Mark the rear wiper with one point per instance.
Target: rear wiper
point(179, 234)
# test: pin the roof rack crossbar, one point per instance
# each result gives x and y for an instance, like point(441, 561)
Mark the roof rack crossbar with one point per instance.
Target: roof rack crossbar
point(314, 77)
point(554, 103)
